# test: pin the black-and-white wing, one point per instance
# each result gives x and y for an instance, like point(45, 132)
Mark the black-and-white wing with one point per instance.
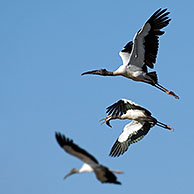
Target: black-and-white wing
point(122, 106)
point(104, 175)
point(145, 47)
point(73, 149)
point(125, 52)
point(132, 132)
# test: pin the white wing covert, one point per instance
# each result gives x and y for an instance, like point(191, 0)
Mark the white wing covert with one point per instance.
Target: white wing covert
point(132, 132)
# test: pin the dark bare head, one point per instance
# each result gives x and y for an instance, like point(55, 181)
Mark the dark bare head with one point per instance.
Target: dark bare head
point(108, 119)
point(103, 72)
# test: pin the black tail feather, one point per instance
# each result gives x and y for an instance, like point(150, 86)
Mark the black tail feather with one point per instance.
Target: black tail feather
point(153, 76)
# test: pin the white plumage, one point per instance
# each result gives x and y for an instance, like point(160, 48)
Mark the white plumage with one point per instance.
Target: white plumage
point(132, 128)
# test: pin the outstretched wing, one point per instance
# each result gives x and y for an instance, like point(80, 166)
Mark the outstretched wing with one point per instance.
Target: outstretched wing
point(122, 106)
point(132, 132)
point(73, 149)
point(145, 47)
point(104, 175)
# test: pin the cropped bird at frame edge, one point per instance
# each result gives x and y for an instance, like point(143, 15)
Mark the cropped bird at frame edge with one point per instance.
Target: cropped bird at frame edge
point(140, 54)
point(103, 174)
point(142, 122)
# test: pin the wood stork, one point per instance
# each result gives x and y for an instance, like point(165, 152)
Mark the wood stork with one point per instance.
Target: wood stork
point(126, 109)
point(140, 54)
point(132, 133)
point(102, 173)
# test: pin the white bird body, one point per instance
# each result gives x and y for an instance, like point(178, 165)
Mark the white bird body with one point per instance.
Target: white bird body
point(122, 70)
point(132, 72)
point(102, 173)
point(140, 54)
point(87, 168)
point(130, 114)
point(133, 114)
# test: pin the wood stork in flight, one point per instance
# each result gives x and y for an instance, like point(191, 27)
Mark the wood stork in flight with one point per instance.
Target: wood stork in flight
point(102, 173)
point(140, 54)
point(126, 109)
point(136, 129)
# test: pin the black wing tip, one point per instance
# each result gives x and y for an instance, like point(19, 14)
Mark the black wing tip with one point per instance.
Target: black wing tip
point(114, 155)
point(160, 18)
point(119, 148)
point(114, 108)
point(161, 11)
point(61, 139)
point(115, 150)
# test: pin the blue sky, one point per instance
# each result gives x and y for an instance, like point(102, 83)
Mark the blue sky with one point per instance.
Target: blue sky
point(44, 47)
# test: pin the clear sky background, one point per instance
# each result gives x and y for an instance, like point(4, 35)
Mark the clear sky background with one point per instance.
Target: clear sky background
point(44, 47)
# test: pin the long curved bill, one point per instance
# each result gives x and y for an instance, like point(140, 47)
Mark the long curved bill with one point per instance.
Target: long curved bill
point(103, 72)
point(106, 120)
point(68, 174)
point(91, 72)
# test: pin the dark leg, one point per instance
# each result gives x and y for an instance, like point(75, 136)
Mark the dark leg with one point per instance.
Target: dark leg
point(164, 125)
point(165, 90)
